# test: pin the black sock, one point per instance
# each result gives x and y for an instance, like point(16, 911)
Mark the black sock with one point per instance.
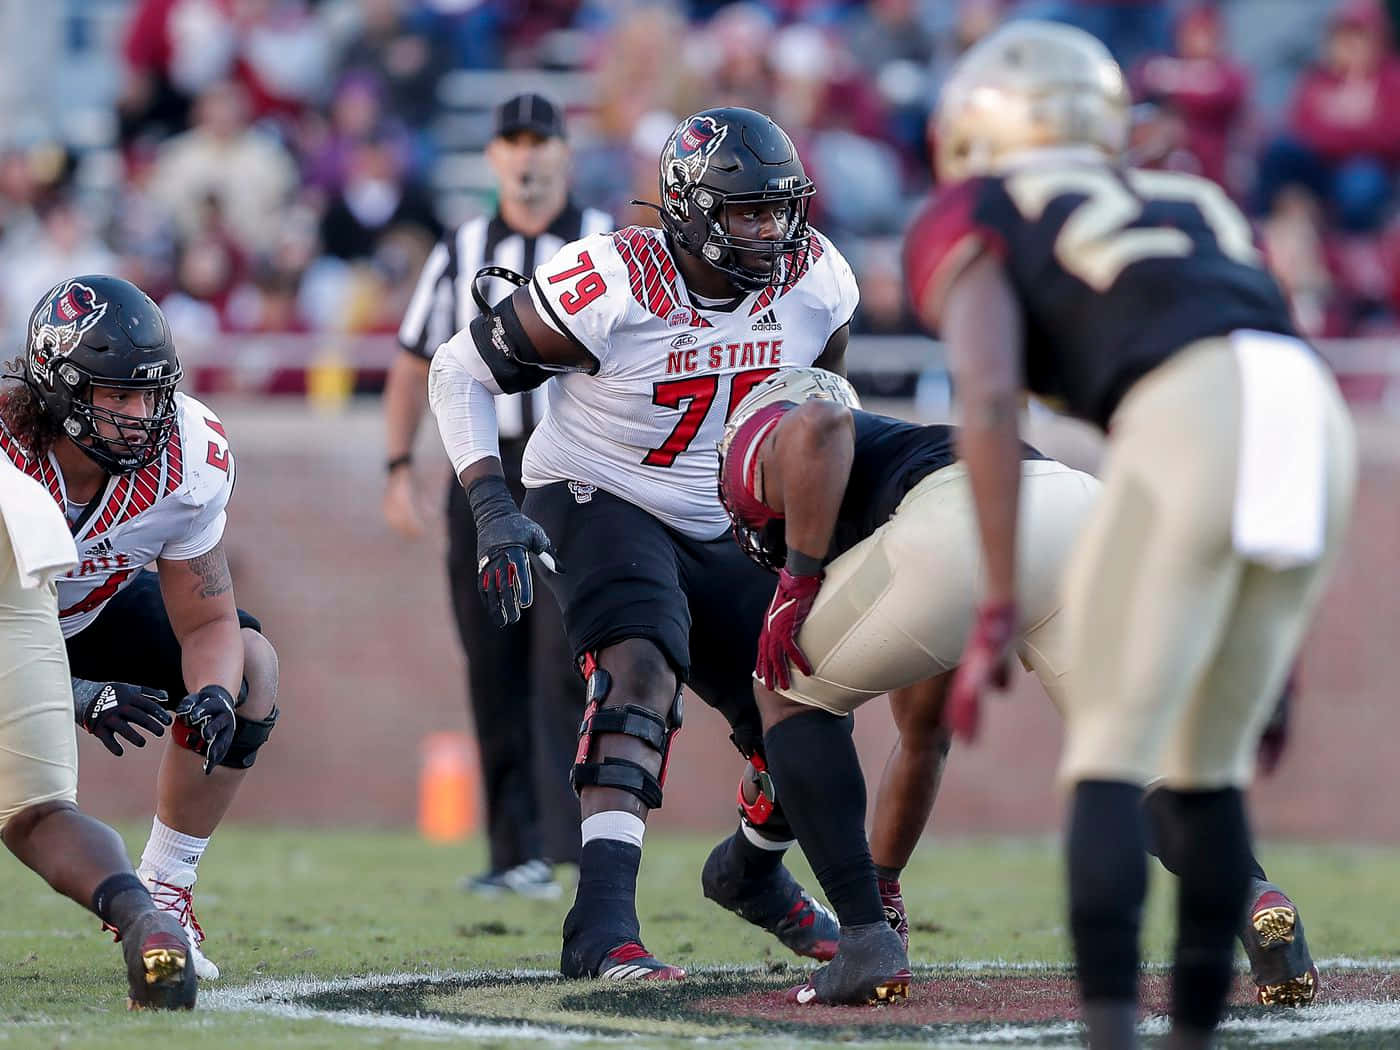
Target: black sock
point(607, 888)
point(817, 775)
point(1107, 884)
point(120, 898)
point(752, 861)
point(888, 874)
point(1164, 837)
point(1210, 899)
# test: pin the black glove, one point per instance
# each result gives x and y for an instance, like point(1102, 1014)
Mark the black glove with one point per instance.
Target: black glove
point(505, 539)
point(111, 709)
point(207, 721)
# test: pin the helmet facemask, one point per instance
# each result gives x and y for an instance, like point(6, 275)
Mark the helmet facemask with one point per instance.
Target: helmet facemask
point(735, 256)
point(135, 441)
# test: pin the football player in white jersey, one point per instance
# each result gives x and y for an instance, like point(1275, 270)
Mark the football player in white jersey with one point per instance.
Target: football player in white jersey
point(143, 475)
point(650, 337)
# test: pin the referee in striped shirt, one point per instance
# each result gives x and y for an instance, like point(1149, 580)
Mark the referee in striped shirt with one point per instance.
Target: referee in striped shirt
point(532, 814)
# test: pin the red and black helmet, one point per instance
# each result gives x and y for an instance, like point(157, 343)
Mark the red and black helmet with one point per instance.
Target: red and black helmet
point(98, 330)
point(725, 156)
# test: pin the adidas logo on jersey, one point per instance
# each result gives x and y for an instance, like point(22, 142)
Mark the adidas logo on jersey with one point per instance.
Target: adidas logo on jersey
point(766, 323)
point(101, 549)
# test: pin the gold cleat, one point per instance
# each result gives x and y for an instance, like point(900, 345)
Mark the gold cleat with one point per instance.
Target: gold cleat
point(890, 991)
point(1273, 938)
point(159, 970)
point(1274, 926)
point(165, 969)
point(1300, 991)
point(163, 964)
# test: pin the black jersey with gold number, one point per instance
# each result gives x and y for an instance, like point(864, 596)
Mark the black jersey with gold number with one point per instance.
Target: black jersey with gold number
point(1115, 270)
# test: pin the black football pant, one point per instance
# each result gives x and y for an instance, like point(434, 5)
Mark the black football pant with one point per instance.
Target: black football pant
point(526, 700)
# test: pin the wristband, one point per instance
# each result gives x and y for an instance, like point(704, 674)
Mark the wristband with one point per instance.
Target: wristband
point(397, 462)
point(799, 564)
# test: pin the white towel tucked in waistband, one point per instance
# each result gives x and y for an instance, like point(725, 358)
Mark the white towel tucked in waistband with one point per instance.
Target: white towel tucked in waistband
point(42, 544)
point(1280, 517)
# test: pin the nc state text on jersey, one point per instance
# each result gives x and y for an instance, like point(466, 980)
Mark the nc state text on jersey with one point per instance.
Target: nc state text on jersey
point(725, 355)
point(100, 564)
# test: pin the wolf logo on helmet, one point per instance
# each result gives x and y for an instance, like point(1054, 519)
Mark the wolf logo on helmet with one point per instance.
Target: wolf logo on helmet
point(692, 145)
point(60, 322)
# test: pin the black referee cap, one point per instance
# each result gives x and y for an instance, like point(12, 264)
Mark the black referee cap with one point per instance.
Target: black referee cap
point(529, 112)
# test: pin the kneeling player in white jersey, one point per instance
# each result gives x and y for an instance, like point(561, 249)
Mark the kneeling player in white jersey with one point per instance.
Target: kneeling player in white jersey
point(869, 522)
point(652, 336)
point(143, 475)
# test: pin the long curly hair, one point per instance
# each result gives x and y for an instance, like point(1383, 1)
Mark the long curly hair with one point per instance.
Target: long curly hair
point(23, 413)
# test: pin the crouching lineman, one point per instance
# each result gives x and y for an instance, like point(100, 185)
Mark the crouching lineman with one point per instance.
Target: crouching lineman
point(143, 475)
point(40, 822)
point(869, 523)
point(1138, 300)
point(803, 428)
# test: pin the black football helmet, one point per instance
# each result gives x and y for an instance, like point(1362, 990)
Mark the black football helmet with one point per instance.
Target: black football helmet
point(97, 330)
point(733, 156)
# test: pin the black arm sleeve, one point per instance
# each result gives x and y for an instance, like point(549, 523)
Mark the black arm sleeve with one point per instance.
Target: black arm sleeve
point(507, 350)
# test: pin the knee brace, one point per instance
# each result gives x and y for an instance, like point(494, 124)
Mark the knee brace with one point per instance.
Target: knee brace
point(763, 813)
point(249, 734)
point(631, 720)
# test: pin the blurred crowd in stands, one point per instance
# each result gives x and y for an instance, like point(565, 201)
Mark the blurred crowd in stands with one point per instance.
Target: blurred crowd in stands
point(285, 165)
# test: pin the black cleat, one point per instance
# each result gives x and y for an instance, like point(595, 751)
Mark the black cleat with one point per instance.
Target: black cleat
point(871, 969)
point(612, 954)
point(774, 902)
point(1279, 960)
point(159, 965)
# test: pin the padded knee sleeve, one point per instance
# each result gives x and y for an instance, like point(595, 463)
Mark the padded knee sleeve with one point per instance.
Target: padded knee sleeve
point(249, 734)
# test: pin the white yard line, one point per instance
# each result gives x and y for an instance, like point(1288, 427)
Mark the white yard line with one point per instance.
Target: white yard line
point(285, 997)
point(282, 997)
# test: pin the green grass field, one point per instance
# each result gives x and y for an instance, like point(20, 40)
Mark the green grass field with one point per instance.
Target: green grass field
point(284, 910)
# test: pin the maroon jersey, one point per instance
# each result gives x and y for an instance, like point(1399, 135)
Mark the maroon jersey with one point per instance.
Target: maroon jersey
point(1114, 270)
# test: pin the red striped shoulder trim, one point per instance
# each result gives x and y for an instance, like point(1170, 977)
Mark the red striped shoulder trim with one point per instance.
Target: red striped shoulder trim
point(136, 493)
point(117, 501)
point(174, 463)
point(801, 262)
point(37, 467)
point(651, 273)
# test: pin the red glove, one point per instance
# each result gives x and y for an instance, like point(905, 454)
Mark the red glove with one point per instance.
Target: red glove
point(777, 644)
point(986, 662)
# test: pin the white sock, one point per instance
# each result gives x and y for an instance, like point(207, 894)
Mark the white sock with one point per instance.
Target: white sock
point(168, 851)
point(760, 840)
point(614, 824)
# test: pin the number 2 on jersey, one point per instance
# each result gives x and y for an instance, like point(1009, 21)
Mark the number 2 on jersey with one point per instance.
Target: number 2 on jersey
point(589, 286)
point(1097, 241)
point(698, 394)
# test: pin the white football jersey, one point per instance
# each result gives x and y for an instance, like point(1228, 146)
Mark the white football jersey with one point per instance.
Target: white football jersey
point(645, 425)
point(173, 508)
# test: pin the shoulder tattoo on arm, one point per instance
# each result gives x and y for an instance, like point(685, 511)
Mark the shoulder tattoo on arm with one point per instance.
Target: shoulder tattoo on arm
point(212, 570)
